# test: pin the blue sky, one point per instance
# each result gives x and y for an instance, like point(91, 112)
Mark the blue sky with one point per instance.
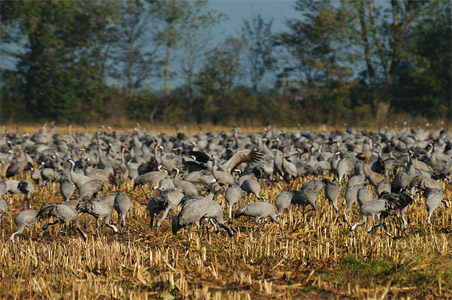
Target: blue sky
point(237, 10)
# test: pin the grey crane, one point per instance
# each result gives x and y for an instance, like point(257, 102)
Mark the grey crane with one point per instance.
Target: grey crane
point(351, 197)
point(19, 187)
point(252, 186)
point(186, 187)
point(215, 212)
point(308, 193)
point(3, 188)
point(12, 186)
point(278, 171)
point(108, 199)
point(169, 163)
point(50, 175)
point(25, 218)
point(386, 205)
point(162, 204)
point(433, 200)
point(344, 168)
point(331, 193)
point(404, 178)
point(289, 168)
point(90, 189)
point(364, 195)
point(67, 189)
point(98, 210)
point(305, 197)
point(383, 187)
point(197, 209)
point(122, 205)
point(166, 184)
point(424, 182)
point(77, 179)
point(152, 178)
point(373, 177)
point(26, 187)
point(36, 176)
point(283, 201)
point(62, 213)
point(120, 171)
point(258, 210)
point(315, 185)
point(3, 209)
point(222, 177)
point(232, 196)
point(359, 178)
point(240, 157)
point(18, 167)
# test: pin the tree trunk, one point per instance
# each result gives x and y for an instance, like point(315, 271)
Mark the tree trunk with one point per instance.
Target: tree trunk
point(33, 74)
point(367, 53)
point(365, 41)
point(380, 49)
point(167, 69)
point(398, 34)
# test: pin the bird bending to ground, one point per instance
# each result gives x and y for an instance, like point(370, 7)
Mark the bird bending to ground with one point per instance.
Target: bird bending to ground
point(162, 204)
point(62, 213)
point(258, 210)
point(25, 218)
point(386, 205)
point(99, 210)
point(196, 209)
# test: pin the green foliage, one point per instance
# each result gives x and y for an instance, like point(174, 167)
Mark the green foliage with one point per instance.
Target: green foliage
point(361, 62)
point(259, 45)
point(221, 68)
point(63, 56)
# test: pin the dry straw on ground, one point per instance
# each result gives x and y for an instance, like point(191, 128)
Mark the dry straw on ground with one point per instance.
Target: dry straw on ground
point(315, 256)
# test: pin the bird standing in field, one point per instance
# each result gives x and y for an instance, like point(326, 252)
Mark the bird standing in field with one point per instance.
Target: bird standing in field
point(188, 188)
point(3, 209)
point(222, 177)
point(232, 196)
point(331, 193)
point(67, 189)
point(283, 201)
point(433, 200)
point(252, 186)
point(122, 205)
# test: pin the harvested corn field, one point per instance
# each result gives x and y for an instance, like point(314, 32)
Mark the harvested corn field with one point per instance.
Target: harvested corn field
point(316, 255)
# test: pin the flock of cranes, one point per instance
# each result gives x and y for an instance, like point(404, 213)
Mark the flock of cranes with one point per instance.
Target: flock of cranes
point(380, 171)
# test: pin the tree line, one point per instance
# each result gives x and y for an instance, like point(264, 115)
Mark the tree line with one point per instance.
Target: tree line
point(355, 61)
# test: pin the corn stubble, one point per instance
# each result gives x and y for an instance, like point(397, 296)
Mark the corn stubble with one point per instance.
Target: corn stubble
point(315, 256)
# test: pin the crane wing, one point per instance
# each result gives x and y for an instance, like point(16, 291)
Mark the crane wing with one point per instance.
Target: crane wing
point(242, 156)
point(200, 156)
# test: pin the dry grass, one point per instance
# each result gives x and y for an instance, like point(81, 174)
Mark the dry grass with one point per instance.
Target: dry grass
point(315, 257)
